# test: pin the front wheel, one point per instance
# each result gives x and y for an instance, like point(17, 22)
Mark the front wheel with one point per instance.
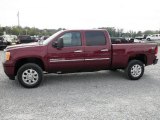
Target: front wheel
point(30, 75)
point(135, 70)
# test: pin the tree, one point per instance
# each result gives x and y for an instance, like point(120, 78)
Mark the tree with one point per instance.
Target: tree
point(119, 32)
point(111, 31)
point(147, 32)
point(139, 33)
point(16, 30)
point(1, 30)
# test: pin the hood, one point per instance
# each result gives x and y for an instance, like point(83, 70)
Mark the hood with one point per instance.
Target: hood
point(35, 44)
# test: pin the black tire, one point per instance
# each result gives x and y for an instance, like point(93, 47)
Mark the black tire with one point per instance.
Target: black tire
point(135, 70)
point(9, 43)
point(3, 47)
point(148, 39)
point(25, 75)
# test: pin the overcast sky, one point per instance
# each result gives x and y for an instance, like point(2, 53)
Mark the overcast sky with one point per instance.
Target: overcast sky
point(77, 14)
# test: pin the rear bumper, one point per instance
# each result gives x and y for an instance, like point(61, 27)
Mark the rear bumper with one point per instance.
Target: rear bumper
point(155, 61)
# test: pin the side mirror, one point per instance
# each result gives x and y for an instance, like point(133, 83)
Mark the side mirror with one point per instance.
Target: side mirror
point(58, 44)
point(54, 44)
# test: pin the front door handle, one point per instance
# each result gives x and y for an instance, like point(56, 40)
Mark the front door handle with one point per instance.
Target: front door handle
point(78, 51)
point(104, 50)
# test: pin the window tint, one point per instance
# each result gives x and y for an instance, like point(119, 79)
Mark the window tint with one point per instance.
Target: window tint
point(94, 38)
point(71, 39)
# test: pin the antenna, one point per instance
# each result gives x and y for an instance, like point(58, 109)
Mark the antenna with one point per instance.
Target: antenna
point(18, 22)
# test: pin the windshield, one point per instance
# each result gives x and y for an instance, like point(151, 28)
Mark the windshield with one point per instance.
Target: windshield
point(51, 37)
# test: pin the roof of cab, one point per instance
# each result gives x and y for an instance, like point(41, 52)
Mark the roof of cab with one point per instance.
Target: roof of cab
point(84, 30)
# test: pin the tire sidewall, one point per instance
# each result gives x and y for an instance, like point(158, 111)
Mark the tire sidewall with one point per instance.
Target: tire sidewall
point(30, 66)
point(148, 39)
point(130, 65)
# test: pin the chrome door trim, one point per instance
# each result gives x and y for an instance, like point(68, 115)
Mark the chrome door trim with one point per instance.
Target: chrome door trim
point(97, 59)
point(63, 60)
point(77, 60)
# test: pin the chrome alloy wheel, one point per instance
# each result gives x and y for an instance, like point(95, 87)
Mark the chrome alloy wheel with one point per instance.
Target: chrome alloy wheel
point(136, 70)
point(30, 76)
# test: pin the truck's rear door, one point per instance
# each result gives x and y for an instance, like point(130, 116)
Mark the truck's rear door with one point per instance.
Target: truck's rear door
point(97, 50)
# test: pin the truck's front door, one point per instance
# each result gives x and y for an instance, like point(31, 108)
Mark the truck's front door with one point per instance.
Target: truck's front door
point(70, 57)
point(97, 50)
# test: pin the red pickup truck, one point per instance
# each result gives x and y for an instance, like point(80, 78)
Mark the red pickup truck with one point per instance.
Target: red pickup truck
point(76, 51)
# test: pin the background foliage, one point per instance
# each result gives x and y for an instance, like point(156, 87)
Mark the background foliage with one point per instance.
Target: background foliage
point(15, 30)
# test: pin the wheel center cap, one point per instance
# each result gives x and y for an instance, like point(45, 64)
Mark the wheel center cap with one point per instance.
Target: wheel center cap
point(29, 76)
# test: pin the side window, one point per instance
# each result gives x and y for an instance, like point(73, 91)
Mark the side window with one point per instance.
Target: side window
point(94, 38)
point(71, 39)
point(28, 38)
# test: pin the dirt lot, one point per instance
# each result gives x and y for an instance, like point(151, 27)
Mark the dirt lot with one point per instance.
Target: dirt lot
point(99, 95)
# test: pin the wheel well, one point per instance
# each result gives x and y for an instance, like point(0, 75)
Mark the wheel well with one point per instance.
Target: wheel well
point(140, 57)
point(23, 61)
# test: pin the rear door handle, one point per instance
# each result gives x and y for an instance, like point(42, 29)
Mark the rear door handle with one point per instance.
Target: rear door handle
point(104, 50)
point(78, 51)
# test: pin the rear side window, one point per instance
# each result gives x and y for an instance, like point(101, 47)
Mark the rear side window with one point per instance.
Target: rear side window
point(94, 38)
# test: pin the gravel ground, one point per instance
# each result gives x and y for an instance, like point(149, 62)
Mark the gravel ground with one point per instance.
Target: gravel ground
point(97, 96)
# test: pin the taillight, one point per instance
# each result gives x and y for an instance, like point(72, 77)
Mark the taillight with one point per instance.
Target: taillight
point(156, 50)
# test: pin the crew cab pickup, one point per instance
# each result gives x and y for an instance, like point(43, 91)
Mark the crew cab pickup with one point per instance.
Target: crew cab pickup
point(71, 51)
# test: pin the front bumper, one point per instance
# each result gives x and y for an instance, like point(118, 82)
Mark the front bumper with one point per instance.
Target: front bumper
point(155, 61)
point(9, 70)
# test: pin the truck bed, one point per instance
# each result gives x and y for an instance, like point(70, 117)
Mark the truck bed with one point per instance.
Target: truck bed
point(121, 53)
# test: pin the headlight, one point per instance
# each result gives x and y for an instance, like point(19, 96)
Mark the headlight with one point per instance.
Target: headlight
point(8, 55)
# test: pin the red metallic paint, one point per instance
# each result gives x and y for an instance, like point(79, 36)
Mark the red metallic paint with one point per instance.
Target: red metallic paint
point(117, 54)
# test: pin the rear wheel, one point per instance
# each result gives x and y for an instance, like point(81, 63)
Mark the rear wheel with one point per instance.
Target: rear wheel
point(30, 75)
point(135, 70)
